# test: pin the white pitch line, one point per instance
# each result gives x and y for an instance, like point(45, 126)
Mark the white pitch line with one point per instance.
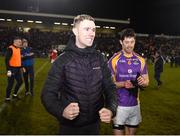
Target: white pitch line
point(39, 70)
point(22, 87)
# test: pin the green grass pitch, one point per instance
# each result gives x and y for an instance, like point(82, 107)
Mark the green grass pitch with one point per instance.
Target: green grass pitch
point(160, 107)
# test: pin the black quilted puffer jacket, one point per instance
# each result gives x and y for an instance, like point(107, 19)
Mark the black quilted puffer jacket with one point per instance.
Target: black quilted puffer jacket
point(82, 76)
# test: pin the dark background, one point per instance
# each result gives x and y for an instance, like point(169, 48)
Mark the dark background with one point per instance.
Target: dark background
point(147, 16)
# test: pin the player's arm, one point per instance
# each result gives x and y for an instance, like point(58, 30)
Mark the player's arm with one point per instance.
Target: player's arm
point(8, 57)
point(143, 80)
point(109, 88)
point(51, 95)
point(123, 84)
point(119, 84)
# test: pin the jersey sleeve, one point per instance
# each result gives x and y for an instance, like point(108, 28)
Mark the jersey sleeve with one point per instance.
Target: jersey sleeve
point(143, 67)
point(112, 63)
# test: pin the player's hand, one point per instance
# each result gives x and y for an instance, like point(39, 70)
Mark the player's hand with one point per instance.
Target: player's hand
point(141, 81)
point(24, 70)
point(71, 111)
point(128, 84)
point(105, 115)
point(9, 73)
point(30, 54)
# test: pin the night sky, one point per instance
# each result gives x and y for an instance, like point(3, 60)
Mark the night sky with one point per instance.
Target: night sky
point(147, 16)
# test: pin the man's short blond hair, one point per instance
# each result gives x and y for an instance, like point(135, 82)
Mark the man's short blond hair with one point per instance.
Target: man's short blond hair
point(82, 17)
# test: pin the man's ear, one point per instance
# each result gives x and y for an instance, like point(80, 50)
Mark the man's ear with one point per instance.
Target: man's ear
point(74, 31)
point(120, 42)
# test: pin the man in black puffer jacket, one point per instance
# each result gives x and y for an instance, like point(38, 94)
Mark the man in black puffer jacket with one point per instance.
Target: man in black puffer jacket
point(79, 90)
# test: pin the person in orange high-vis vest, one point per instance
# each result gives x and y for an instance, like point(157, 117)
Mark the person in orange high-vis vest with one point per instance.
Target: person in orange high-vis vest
point(13, 66)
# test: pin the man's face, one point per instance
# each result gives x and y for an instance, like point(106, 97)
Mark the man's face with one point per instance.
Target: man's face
point(128, 44)
point(25, 43)
point(85, 33)
point(18, 43)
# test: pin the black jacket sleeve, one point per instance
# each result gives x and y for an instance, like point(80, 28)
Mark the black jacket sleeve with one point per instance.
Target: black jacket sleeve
point(52, 90)
point(109, 89)
point(7, 58)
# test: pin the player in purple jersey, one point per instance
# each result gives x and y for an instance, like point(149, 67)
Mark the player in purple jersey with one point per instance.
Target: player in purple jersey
point(129, 72)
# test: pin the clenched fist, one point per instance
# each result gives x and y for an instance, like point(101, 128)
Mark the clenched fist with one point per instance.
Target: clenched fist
point(105, 115)
point(71, 111)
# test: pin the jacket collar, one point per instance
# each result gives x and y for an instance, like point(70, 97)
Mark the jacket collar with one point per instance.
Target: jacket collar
point(72, 47)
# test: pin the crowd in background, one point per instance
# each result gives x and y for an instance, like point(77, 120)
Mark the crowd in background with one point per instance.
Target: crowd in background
point(108, 44)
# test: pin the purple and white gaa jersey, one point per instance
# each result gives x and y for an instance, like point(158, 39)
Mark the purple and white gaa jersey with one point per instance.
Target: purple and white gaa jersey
point(126, 68)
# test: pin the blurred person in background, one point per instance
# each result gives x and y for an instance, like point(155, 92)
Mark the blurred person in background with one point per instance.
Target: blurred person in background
point(28, 67)
point(53, 55)
point(158, 67)
point(13, 66)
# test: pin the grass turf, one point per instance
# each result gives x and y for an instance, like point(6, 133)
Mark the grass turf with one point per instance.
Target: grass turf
point(160, 107)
